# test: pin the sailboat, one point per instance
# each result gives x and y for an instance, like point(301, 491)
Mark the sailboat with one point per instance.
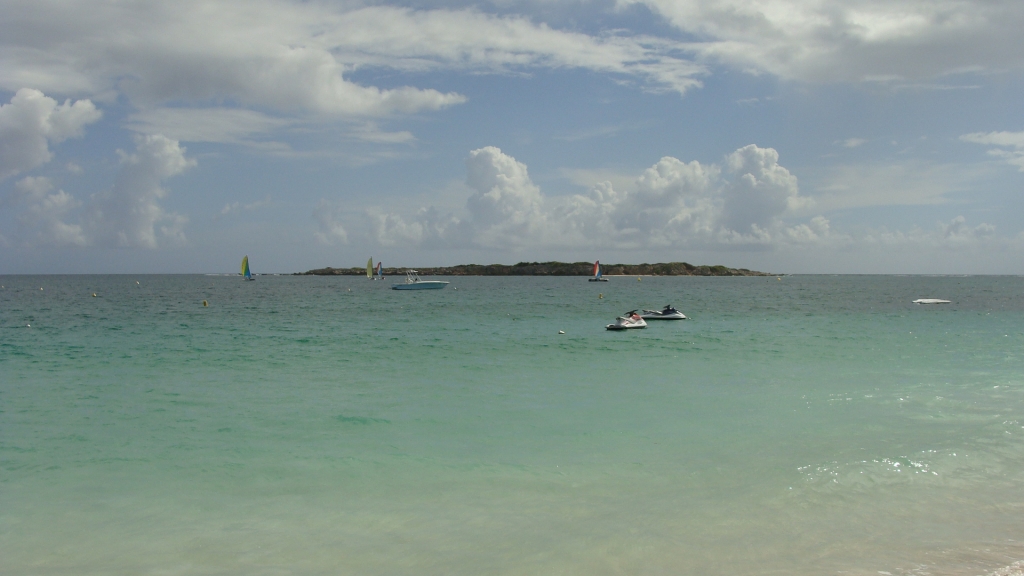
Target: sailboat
point(246, 274)
point(380, 271)
point(597, 273)
point(369, 269)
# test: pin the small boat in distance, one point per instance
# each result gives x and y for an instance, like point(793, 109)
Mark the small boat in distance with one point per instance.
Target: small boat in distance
point(668, 313)
point(380, 271)
point(627, 321)
point(597, 273)
point(413, 282)
point(369, 269)
point(930, 301)
point(246, 274)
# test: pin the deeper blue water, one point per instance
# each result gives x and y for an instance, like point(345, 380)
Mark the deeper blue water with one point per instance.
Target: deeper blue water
point(328, 425)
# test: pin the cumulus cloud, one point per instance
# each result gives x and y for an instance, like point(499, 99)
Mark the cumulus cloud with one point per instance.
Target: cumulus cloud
point(671, 204)
point(128, 215)
point(429, 227)
point(43, 214)
point(760, 190)
point(328, 222)
point(1010, 145)
point(506, 206)
point(851, 40)
point(31, 122)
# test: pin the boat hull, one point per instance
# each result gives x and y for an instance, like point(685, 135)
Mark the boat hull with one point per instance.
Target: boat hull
point(598, 280)
point(627, 323)
point(625, 326)
point(660, 316)
point(421, 285)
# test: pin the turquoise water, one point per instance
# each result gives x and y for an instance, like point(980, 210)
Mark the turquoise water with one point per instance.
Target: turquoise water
point(312, 425)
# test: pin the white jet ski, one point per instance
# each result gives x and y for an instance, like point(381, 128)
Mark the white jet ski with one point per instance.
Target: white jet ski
point(669, 313)
point(628, 321)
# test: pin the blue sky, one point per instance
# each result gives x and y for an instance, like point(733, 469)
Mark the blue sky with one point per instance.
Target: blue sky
point(800, 136)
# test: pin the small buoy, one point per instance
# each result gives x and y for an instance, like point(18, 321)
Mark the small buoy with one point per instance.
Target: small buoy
point(93, 294)
point(778, 278)
point(637, 278)
point(40, 288)
point(561, 331)
point(29, 325)
point(599, 296)
point(205, 303)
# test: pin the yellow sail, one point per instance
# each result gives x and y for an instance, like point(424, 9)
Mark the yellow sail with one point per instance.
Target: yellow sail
point(245, 265)
point(369, 268)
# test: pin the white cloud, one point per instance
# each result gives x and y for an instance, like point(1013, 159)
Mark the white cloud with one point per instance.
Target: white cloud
point(759, 191)
point(370, 132)
point(427, 228)
point(223, 125)
point(953, 235)
point(129, 215)
point(238, 206)
point(294, 59)
point(329, 227)
point(671, 204)
point(31, 122)
point(852, 40)
point(42, 214)
point(506, 206)
point(1014, 140)
point(749, 202)
point(1008, 139)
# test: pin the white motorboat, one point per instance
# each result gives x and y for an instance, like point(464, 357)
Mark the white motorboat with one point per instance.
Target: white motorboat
point(930, 301)
point(668, 313)
point(413, 282)
point(628, 321)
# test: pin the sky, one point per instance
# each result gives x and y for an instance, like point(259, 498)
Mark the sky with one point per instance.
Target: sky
point(790, 136)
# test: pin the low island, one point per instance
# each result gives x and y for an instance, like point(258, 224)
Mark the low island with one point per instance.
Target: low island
point(553, 269)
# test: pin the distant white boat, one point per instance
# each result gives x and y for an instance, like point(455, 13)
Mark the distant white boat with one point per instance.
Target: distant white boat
point(930, 301)
point(668, 313)
point(597, 273)
point(628, 321)
point(413, 282)
point(246, 274)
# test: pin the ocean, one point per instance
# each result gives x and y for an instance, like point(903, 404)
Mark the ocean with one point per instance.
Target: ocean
point(296, 425)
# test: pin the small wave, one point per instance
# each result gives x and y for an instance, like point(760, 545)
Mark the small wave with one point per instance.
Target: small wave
point(1015, 569)
point(361, 420)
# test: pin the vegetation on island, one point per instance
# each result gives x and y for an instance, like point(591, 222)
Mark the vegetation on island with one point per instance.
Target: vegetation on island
point(553, 269)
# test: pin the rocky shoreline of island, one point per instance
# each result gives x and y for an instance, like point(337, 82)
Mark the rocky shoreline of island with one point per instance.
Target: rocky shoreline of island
point(552, 269)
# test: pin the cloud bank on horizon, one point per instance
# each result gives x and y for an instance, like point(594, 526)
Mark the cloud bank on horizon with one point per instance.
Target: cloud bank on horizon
point(819, 135)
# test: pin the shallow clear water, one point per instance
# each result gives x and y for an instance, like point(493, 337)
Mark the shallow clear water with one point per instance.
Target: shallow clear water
point(311, 425)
